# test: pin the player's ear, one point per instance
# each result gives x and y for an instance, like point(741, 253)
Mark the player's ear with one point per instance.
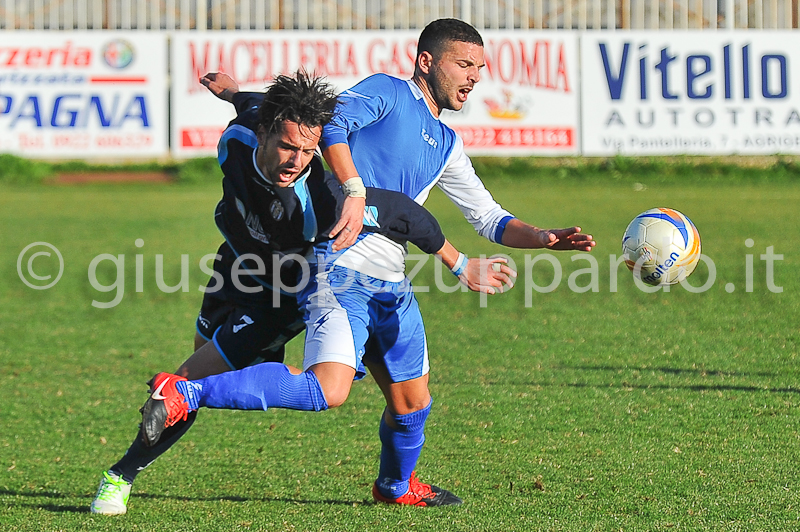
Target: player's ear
point(425, 62)
point(261, 135)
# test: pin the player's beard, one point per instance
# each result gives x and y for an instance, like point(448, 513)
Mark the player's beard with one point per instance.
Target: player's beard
point(445, 91)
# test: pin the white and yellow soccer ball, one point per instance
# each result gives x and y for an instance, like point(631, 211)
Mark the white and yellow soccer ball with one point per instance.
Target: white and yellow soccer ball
point(661, 246)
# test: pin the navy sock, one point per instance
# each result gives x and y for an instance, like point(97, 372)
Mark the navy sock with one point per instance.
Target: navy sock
point(139, 456)
point(400, 451)
point(267, 385)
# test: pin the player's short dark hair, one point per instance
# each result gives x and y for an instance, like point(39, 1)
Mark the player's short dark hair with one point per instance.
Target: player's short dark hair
point(440, 33)
point(304, 99)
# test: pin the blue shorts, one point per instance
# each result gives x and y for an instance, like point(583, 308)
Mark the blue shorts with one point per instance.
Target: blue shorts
point(351, 318)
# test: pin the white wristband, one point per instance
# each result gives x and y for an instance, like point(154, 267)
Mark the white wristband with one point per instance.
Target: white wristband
point(460, 265)
point(354, 187)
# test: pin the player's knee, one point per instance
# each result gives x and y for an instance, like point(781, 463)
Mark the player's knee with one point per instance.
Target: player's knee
point(199, 341)
point(409, 403)
point(409, 422)
point(423, 403)
point(335, 391)
point(336, 396)
point(334, 381)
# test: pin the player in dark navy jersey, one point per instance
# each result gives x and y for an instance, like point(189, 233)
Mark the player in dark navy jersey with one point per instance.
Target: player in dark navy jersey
point(277, 201)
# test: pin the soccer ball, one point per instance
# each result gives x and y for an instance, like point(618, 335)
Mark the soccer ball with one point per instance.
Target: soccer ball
point(661, 246)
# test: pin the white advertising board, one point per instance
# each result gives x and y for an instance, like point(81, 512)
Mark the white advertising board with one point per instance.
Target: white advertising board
point(83, 94)
point(527, 100)
point(694, 93)
point(525, 104)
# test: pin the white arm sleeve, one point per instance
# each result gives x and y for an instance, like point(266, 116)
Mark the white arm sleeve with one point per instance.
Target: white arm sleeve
point(462, 185)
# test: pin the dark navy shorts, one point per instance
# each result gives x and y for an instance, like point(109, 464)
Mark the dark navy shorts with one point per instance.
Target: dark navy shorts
point(246, 335)
point(246, 328)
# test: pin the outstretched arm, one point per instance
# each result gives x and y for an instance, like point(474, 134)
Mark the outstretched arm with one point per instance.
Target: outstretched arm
point(518, 234)
point(463, 187)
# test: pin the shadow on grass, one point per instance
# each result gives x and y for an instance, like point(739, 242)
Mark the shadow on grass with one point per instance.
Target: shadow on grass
point(694, 387)
point(673, 371)
point(232, 498)
point(67, 508)
point(56, 508)
point(676, 371)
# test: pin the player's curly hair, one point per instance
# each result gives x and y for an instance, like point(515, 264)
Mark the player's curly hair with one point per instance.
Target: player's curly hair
point(304, 99)
point(440, 33)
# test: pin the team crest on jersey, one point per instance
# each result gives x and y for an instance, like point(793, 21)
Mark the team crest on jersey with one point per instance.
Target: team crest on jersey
point(276, 210)
point(252, 222)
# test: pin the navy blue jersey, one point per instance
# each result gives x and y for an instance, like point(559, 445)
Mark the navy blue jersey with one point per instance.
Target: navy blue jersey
point(258, 218)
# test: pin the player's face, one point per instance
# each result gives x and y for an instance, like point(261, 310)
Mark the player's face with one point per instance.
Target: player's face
point(455, 73)
point(285, 153)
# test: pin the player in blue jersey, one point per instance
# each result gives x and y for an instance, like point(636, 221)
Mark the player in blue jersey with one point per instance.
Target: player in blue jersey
point(276, 201)
point(387, 123)
point(387, 133)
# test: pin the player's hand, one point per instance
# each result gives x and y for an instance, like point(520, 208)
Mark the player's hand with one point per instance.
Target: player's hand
point(481, 275)
point(570, 239)
point(221, 85)
point(351, 221)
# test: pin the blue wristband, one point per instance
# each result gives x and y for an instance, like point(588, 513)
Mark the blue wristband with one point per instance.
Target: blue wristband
point(460, 265)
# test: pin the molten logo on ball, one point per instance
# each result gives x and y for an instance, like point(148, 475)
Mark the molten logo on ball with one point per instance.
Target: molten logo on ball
point(661, 246)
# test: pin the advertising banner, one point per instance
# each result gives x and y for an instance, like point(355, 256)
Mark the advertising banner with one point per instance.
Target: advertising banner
point(525, 104)
point(83, 94)
point(694, 93)
point(527, 100)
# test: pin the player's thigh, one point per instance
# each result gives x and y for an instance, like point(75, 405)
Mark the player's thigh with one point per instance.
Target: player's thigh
point(398, 342)
point(397, 351)
point(337, 321)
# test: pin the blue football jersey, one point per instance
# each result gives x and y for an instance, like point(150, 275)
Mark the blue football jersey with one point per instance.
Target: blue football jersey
point(398, 144)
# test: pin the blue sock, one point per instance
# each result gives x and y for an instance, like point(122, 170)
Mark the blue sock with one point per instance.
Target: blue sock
point(400, 451)
point(267, 385)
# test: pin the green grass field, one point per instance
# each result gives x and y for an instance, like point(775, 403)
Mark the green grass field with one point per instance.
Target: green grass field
point(607, 410)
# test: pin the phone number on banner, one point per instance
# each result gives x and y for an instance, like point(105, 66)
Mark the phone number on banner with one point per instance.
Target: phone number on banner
point(544, 137)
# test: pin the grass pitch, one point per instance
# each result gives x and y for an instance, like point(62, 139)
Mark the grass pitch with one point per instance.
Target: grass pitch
point(561, 410)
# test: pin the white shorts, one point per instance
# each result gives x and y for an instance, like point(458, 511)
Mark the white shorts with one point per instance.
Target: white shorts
point(351, 316)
